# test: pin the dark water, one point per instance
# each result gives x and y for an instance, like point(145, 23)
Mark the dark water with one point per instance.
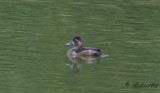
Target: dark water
point(33, 56)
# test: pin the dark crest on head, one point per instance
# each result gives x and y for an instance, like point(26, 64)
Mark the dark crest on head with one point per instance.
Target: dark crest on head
point(77, 38)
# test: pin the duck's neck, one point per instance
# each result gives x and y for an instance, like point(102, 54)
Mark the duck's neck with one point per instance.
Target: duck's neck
point(78, 46)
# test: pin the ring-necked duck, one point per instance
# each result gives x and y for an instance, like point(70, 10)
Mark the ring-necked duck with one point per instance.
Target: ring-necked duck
point(78, 50)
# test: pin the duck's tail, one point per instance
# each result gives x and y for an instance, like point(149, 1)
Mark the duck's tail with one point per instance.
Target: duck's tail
point(103, 55)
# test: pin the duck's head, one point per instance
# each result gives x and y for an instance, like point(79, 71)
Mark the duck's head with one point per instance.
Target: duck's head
point(76, 41)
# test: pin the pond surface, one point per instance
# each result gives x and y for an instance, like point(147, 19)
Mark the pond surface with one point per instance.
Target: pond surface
point(33, 57)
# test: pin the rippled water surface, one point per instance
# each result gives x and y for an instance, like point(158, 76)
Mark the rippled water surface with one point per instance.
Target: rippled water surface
point(33, 55)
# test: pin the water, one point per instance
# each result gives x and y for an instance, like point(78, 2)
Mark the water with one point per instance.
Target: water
point(33, 56)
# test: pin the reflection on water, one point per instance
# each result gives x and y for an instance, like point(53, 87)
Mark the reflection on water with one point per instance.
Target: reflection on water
point(76, 66)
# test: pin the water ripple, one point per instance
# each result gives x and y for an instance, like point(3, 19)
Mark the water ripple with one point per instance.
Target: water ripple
point(103, 42)
point(130, 33)
point(65, 15)
point(29, 32)
point(107, 30)
point(26, 1)
point(136, 42)
point(96, 18)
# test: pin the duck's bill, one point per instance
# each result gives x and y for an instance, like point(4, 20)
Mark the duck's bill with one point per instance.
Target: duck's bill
point(70, 43)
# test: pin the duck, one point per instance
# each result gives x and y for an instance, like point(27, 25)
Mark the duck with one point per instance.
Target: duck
point(78, 50)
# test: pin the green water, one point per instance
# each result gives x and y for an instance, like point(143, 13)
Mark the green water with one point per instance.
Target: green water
point(33, 57)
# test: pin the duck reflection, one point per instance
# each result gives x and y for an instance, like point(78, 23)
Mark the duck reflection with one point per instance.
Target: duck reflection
point(79, 60)
point(79, 54)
